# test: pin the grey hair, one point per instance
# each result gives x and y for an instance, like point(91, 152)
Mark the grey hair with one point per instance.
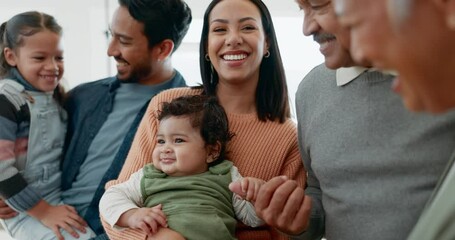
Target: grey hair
point(399, 11)
point(339, 7)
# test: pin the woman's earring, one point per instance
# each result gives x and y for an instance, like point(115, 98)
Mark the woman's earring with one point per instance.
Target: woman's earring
point(207, 58)
point(267, 54)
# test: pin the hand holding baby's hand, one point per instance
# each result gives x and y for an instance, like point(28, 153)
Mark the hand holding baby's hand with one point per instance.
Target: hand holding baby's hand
point(247, 188)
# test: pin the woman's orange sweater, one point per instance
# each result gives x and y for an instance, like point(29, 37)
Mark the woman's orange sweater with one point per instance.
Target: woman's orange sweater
point(258, 149)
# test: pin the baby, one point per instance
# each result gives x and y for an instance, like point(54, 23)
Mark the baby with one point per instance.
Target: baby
point(185, 188)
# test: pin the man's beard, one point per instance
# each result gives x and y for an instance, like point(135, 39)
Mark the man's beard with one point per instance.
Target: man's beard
point(137, 74)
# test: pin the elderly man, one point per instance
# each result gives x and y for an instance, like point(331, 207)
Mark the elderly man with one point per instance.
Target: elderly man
point(421, 36)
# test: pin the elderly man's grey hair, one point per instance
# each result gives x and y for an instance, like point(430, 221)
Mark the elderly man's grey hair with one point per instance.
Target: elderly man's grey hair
point(399, 10)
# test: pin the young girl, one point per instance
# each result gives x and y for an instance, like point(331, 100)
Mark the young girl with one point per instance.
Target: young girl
point(185, 187)
point(32, 129)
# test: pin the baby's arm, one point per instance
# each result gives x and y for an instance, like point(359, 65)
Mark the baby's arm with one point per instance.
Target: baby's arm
point(245, 191)
point(121, 206)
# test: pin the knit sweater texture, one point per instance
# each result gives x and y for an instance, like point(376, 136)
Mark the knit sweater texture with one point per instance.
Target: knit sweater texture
point(372, 165)
point(259, 149)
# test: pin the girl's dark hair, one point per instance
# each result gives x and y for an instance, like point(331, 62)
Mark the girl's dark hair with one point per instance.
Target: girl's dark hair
point(162, 19)
point(272, 101)
point(204, 113)
point(13, 31)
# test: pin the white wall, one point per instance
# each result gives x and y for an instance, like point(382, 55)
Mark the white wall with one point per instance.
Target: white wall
point(85, 23)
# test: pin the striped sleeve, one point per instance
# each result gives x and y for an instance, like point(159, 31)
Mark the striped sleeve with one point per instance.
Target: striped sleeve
point(13, 187)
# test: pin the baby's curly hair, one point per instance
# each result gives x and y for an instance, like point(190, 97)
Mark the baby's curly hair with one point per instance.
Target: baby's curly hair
point(205, 113)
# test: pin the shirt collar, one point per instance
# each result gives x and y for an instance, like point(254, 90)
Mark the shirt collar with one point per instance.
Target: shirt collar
point(346, 75)
point(16, 75)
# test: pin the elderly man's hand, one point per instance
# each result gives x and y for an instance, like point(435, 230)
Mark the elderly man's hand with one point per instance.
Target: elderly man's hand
point(282, 204)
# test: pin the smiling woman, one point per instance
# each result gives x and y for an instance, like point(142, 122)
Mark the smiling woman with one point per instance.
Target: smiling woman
point(228, 59)
point(251, 90)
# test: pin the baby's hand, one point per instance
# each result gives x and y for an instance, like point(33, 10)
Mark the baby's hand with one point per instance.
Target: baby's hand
point(247, 188)
point(149, 220)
